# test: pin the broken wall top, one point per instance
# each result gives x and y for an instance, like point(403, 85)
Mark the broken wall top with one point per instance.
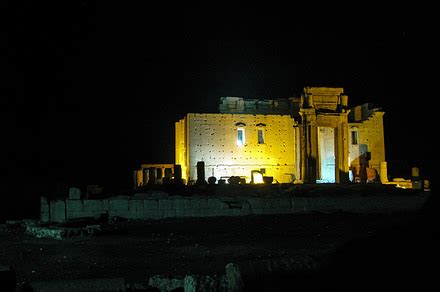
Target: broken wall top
point(324, 90)
point(239, 105)
point(362, 112)
point(325, 98)
point(321, 98)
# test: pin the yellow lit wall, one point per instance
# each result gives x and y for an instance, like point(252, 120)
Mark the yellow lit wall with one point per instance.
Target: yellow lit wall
point(212, 138)
point(370, 134)
point(181, 146)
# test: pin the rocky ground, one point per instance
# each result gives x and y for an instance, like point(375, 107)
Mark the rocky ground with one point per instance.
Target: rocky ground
point(260, 245)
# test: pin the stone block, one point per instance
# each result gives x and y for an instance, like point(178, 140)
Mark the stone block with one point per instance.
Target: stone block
point(165, 204)
point(95, 206)
point(169, 213)
point(151, 205)
point(119, 205)
point(44, 216)
point(300, 205)
point(182, 203)
point(255, 203)
point(152, 214)
point(285, 203)
point(187, 213)
point(44, 205)
point(74, 214)
point(260, 211)
point(236, 212)
point(272, 203)
point(58, 211)
point(199, 203)
point(74, 193)
point(246, 210)
point(57, 217)
point(106, 205)
point(119, 213)
point(136, 205)
point(44, 208)
point(216, 204)
point(74, 206)
point(136, 209)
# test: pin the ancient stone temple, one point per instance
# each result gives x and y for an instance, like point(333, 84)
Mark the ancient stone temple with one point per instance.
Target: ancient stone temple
point(311, 138)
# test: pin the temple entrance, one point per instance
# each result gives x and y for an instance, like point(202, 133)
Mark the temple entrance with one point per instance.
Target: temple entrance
point(326, 150)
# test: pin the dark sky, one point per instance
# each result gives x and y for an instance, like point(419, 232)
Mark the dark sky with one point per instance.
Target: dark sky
point(91, 90)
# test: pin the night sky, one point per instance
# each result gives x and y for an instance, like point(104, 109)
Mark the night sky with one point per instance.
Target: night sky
point(89, 91)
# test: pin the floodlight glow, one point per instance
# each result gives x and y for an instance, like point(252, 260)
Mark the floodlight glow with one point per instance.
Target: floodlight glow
point(258, 178)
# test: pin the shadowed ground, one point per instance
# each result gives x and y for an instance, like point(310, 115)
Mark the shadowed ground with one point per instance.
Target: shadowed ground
point(138, 250)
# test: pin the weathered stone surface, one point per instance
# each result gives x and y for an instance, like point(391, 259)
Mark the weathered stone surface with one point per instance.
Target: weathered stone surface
point(136, 208)
point(153, 214)
point(196, 283)
point(165, 284)
point(46, 232)
point(262, 135)
point(182, 203)
point(165, 204)
point(58, 211)
point(119, 205)
point(44, 209)
point(150, 205)
point(74, 206)
point(93, 205)
point(187, 212)
point(157, 194)
point(199, 203)
point(74, 193)
point(207, 207)
point(233, 278)
point(207, 133)
point(169, 213)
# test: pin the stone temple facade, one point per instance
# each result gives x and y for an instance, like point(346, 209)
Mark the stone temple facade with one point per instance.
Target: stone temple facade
point(311, 138)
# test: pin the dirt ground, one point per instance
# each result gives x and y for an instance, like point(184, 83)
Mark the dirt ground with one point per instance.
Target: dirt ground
point(138, 250)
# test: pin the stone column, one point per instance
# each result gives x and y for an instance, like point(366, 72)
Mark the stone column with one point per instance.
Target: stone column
point(313, 154)
point(309, 146)
point(298, 148)
point(383, 172)
point(152, 175)
point(178, 173)
point(201, 172)
point(341, 145)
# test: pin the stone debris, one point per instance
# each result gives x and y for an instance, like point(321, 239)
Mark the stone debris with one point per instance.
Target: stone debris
point(197, 283)
point(164, 283)
point(231, 281)
point(69, 229)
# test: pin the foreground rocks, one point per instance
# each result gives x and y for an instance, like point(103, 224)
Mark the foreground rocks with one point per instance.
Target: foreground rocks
point(231, 281)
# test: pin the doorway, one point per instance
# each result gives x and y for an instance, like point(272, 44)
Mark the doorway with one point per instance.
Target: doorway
point(326, 150)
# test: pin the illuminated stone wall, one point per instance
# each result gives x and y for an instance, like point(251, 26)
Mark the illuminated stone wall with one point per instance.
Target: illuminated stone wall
point(181, 146)
point(291, 148)
point(212, 138)
point(324, 108)
point(369, 125)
